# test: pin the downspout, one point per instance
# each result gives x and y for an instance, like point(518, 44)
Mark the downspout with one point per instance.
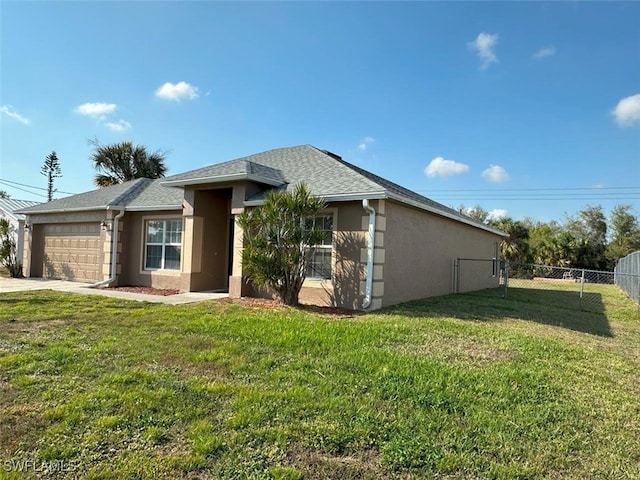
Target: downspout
point(114, 251)
point(370, 245)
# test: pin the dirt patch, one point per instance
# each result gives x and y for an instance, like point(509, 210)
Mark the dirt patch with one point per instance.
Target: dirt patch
point(17, 424)
point(316, 465)
point(164, 292)
point(270, 304)
point(21, 326)
point(466, 351)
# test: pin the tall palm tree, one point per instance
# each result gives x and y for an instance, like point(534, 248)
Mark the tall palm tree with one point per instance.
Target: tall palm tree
point(124, 161)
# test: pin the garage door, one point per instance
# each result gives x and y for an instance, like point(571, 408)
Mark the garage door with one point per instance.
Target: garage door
point(72, 252)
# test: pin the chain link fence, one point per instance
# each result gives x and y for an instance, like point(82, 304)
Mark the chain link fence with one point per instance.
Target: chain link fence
point(627, 275)
point(567, 287)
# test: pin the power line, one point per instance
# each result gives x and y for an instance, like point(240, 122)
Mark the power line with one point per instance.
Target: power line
point(23, 189)
point(31, 186)
point(557, 196)
point(625, 198)
point(562, 189)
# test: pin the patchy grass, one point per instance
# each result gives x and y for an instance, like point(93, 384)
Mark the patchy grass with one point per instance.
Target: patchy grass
point(454, 387)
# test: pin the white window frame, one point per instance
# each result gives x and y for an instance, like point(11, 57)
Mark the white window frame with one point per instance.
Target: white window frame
point(310, 281)
point(164, 219)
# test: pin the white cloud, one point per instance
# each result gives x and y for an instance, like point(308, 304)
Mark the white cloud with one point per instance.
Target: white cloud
point(119, 126)
point(439, 167)
point(365, 142)
point(177, 91)
point(484, 45)
point(544, 52)
point(496, 174)
point(10, 112)
point(96, 109)
point(497, 213)
point(627, 112)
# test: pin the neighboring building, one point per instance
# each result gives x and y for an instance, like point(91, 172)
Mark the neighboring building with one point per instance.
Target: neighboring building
point(8, 208)
point(388, 244)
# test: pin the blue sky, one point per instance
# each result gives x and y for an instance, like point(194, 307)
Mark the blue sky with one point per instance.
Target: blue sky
point(532, 109)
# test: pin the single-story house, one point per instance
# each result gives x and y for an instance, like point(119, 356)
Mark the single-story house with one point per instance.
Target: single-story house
point(8, 210)
point(387, 244)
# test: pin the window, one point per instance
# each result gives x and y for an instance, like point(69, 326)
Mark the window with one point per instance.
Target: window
point(163, 240)
point(320, 264)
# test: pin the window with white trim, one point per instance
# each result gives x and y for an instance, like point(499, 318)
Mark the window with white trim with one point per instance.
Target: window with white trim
point(162, 245)
point(321, 263)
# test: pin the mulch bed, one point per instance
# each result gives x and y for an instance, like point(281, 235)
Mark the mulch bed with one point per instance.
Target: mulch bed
point(260, 303)
point(147, 290)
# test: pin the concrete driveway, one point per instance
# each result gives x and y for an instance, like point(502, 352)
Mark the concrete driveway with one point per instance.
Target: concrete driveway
point(8, 285)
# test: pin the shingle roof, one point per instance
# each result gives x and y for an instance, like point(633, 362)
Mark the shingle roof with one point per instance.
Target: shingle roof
point(324, 175)
point(11, 205)
point(327, 175)
point(139, 192)
point(240, 169)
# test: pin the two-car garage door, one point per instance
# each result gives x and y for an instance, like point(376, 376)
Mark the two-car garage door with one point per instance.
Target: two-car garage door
point(72, 251)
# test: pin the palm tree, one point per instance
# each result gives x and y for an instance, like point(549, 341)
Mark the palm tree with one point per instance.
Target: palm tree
point(515, 247)
point(120, 162)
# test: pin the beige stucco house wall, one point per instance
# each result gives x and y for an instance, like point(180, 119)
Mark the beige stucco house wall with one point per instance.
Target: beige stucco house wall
point(414, 245)
point(420, 249)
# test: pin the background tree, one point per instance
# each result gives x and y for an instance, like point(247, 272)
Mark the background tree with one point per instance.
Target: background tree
point(585, 240)
point(625, 233)
point(51, 170)
point(515, 247)
point(542, 241)
point(279, 240)
point(4, 194)
point(8, 252)
point(590, 231)
point(120, 162)
point(478, 213)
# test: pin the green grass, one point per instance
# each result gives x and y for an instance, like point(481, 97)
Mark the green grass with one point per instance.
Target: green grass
point(456, 387)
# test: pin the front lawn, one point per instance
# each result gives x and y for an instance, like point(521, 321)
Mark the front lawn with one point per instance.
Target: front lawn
point(457, 387)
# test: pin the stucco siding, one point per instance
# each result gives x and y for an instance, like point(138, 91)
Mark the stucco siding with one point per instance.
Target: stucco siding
point(348, 269)
point(131, 268)
point(210, 257)
point(349, 239)
point(420, 249)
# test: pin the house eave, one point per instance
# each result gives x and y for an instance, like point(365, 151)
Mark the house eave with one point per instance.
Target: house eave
point(346, 197)
point(12, 215)
point(153, 208)
point(68, 210)
point(222, 179)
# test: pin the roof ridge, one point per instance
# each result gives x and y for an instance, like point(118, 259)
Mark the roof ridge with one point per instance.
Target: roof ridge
point(337, 158)
point(389, 186)
point(133, 188)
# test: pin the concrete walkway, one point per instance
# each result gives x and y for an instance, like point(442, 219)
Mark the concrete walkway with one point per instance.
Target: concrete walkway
point(8, 285)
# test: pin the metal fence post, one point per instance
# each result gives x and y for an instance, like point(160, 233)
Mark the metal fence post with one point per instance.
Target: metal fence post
point(581, 287)
point(506, 278)
point(454, 274)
